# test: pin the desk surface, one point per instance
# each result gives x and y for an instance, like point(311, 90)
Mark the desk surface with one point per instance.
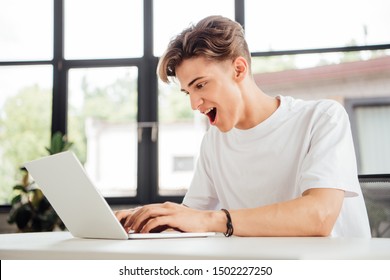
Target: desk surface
point(61, 245)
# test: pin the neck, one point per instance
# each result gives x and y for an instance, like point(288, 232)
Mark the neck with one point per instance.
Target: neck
point(257, 106)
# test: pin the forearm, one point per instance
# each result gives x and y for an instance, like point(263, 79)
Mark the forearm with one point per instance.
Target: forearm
point(304, 216)
point(277, 220)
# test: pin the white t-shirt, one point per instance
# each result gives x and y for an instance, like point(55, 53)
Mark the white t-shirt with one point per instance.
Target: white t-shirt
point(302, 145)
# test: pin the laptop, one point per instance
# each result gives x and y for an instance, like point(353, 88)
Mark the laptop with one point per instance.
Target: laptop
point(81, 207)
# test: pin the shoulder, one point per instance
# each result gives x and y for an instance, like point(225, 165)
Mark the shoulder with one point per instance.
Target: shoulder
point(330, 107)
point(323, 108)
point(324, 105)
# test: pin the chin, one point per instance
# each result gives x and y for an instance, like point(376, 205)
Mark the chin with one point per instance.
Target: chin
point(224, 129)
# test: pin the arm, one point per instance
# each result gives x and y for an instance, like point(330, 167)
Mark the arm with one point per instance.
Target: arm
point(313, 214)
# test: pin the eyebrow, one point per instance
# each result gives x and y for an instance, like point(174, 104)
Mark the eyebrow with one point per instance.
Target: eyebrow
point(192, 82)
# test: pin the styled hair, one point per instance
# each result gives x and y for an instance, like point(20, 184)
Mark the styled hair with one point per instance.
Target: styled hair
point(214, 38)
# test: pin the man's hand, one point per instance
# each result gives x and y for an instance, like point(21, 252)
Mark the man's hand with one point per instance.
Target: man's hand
point(124, 215)
point(158, 217)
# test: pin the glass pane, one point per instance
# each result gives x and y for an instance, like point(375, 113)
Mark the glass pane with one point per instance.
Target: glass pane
point(305, 24)
point(103, 29)
point(374, 137)
point(180, 134)
point(102, 123)
point(172, 16)
point(25, 120)
point(26, 30)
point(330, 75)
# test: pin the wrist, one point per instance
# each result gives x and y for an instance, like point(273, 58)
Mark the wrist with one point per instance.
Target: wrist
point(217, 221)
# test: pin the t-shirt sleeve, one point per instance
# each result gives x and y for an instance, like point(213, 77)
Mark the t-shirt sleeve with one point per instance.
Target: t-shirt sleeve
point(330, 161)
point(201, 193)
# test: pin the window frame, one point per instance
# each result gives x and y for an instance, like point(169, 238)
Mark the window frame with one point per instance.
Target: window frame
point(147, 93)
point(147, 89)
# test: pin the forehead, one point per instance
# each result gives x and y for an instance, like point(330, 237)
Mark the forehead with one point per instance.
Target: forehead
point(193, 65)
point(193, 68)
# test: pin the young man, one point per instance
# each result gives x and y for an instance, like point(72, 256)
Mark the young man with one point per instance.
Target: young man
point(268, 166)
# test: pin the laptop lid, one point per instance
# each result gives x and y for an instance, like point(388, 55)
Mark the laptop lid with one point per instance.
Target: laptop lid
point(84, 211)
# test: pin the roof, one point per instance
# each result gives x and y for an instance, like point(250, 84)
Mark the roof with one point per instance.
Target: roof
point(358, 69)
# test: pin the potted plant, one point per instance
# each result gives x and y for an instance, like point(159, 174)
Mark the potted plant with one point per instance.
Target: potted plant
point(30, 209)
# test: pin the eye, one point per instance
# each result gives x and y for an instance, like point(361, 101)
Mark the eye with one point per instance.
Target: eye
point(200, 85)
point(185, 92)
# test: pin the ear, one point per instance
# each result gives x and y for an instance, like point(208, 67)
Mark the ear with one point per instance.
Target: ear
point(240, 68)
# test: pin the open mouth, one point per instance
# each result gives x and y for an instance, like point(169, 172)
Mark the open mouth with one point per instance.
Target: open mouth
point(211, 113)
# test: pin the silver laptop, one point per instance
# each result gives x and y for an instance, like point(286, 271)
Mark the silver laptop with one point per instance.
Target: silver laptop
point(81, 207)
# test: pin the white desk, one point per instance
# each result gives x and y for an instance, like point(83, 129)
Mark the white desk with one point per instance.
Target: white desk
point(61, 245)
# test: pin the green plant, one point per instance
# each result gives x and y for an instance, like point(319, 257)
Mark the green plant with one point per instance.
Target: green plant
point(30, 209)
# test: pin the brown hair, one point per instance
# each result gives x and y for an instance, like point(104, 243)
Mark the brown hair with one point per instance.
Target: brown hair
point(214, 37)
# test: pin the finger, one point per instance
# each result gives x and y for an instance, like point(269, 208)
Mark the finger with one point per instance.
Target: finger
point(138, 211)
point(121, 215)
point(127, 223)
point(144, 215)
point(157, 224)
point(124, 215)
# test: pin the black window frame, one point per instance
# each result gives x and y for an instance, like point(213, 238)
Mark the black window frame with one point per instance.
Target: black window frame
point(147, 190)
point(147, 88)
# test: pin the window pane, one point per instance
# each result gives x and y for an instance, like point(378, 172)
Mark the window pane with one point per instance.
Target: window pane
point(305, 24)
point(172, 16)
point(102, 123)
point(25, 120)
point(373, 130)
point(103, 29)
point(26, 30)
point(180, 134)
point(331, 75)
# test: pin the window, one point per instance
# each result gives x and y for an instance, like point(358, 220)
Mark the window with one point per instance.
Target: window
point(306, 24)
point(105, 31)
point(182, 163)
point(26, 31)
point(102, 117)
point(25, 117)
point(88, 69)
point(371, 130)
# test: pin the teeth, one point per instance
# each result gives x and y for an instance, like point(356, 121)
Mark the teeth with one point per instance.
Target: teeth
point(208, 111)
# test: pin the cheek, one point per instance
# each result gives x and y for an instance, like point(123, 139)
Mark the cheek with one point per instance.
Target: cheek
point(234, 104)
point(232, 95)
point(231, 107)
point(228, 88)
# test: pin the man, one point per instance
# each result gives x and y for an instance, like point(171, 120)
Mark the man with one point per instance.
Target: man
point(268, 166)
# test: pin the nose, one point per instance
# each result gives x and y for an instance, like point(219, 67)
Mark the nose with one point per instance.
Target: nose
point(196, 101)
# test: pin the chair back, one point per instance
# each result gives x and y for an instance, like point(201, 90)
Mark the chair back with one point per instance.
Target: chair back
point(376, 192)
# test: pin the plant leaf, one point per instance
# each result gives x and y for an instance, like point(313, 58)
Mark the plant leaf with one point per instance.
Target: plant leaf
point(20, 188)
point(16, 199)
point(56, 143)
